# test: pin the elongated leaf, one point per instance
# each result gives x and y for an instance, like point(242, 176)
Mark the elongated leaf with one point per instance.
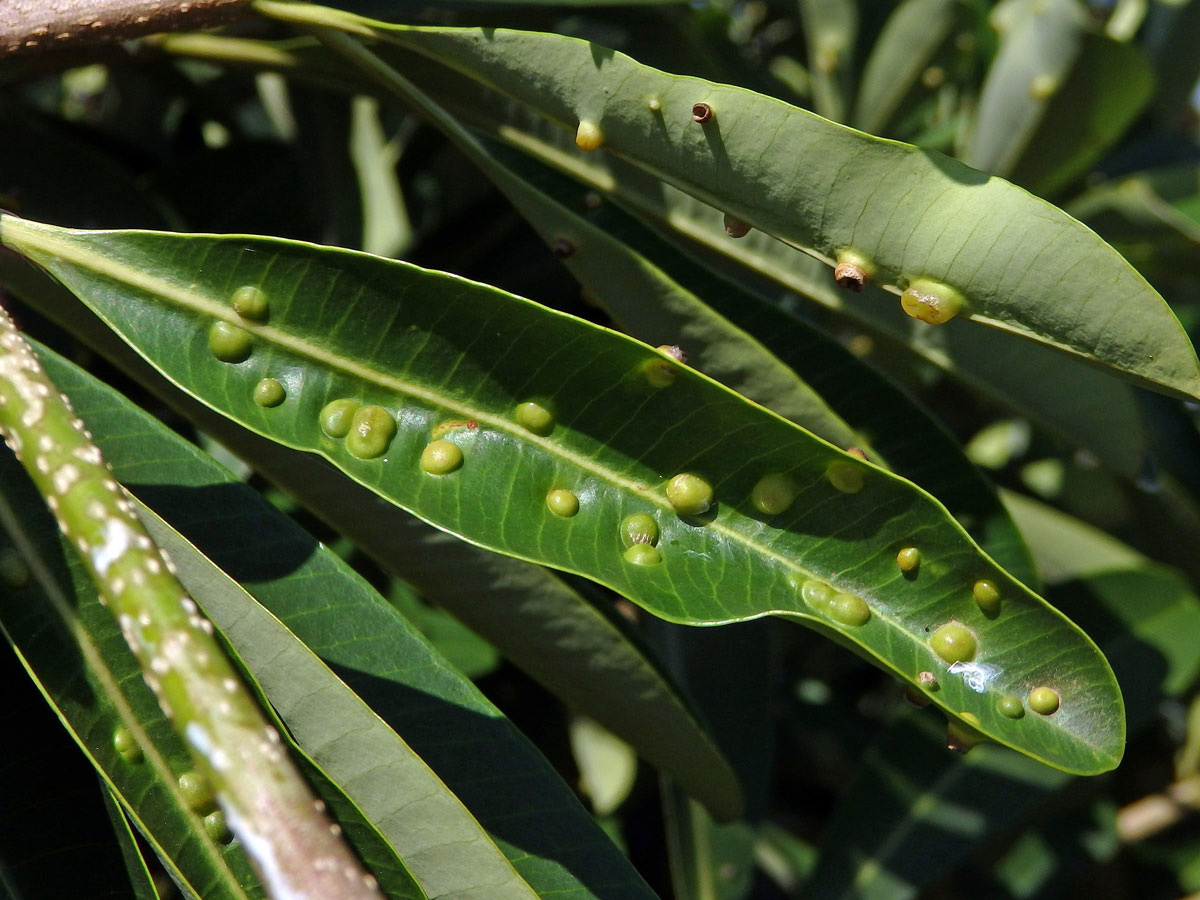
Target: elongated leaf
point(570, 641)
point(546, 835)
point(436, 358)
point(391, 785)
point(1057, 96)
point(914, 813)
point(94, 684)
point(914, 36)
point(135, 863)
point(660, 294)
point(1065, 398)
point(831, 31)
point(1022, 265)
point(53, 824)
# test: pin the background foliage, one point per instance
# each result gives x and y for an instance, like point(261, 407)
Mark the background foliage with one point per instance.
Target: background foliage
point(827, 783)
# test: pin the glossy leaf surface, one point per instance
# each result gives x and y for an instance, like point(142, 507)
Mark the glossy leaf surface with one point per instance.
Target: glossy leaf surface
point(564, 635)
point(442, 359)
point(1023, 266)
point(1065, 398)
point(551, 842)
point(883, 844)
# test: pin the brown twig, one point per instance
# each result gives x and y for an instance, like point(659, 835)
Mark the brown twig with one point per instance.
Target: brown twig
point(38, 26)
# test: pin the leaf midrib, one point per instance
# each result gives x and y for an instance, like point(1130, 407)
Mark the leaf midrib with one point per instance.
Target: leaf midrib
point(22, 233)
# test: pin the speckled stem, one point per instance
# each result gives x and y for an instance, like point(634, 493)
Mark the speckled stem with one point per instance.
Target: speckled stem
point(296, 851)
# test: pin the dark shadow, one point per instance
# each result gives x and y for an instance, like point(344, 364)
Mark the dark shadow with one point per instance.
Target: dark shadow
point(250, 541)
point(600, 54)
point(30, 619)
point(955, 170)
point(501, 778)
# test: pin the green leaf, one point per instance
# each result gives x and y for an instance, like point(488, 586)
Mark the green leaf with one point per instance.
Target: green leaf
point(135, 863)
point(831, 32)
point(1023, 266)
point(53, 824)
point(1057, 96)
point(560, 634)
point(917, 38)
point(914, 813)
point(660, 294)
point(1064, 398)
point(551, 841)
point(88, 675)
point(435, 358)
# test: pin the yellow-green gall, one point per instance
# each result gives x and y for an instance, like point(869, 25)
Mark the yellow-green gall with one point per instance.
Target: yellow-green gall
point(853, 270)
point(250, 303)
point(639, 528)
point(846, 477)
point(953, 643)
point(690, 494)
point(441, 457)
point(961, 736)
point(908, 559)
point(659, 373)
point(196, 791)
point(14, 571)
point(269, 393)
point(337, 416)
point(643, 555)
point(849, 609)
point(216, 828)
point(1044, 701)
point(932, 302)
point(588, 136)
point(535, 417)
point(562, 503)
point(371, 431)
point(1009, 706)
point(816, 594)
point(228, 343)
point(127, 746)
point(987, 595)
point(773, 494)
